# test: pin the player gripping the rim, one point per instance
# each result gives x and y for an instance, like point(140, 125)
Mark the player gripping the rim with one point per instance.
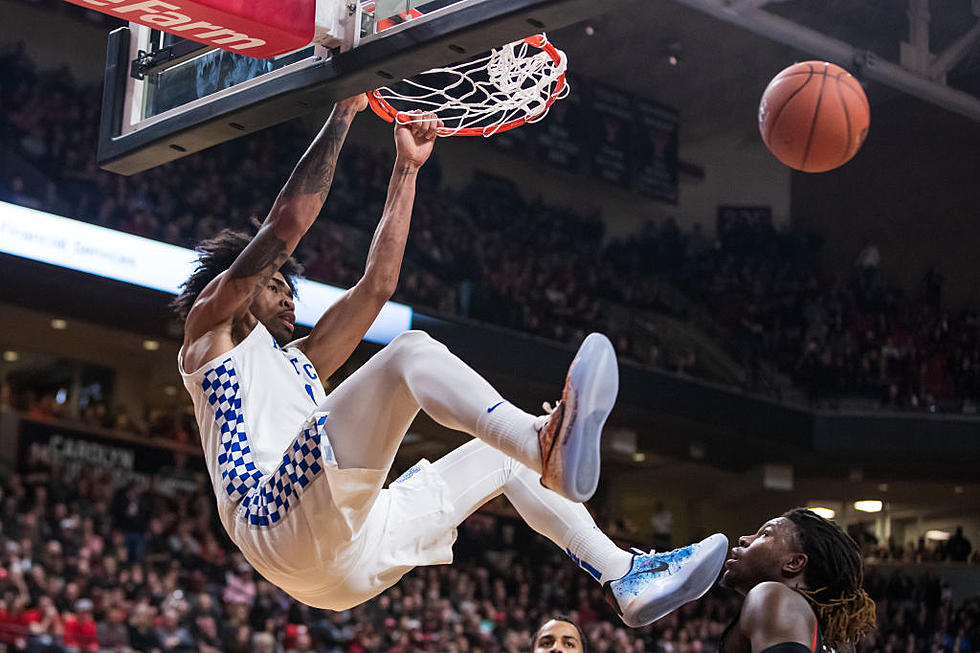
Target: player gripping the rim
point(298, 476)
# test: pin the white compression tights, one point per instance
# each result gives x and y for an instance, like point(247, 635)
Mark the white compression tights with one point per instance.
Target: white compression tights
point(371, 411)
point(476, 473)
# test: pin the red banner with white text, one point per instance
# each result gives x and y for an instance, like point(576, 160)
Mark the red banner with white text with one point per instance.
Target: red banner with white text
point(257, 28)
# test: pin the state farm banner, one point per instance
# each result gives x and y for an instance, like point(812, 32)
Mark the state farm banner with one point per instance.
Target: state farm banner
point(258, 28)
point(41, 445)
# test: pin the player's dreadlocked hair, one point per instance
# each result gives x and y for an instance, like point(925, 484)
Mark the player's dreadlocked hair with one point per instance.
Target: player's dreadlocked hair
point(567, 620)
point(834, 575)
point(215, 255)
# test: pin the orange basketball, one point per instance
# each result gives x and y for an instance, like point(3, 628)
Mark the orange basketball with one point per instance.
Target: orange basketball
point(814, 116)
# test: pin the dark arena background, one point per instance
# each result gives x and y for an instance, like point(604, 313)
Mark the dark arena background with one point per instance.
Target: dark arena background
point(785, 339)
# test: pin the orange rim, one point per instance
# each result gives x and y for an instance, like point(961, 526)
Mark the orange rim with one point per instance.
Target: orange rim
point(388, 113)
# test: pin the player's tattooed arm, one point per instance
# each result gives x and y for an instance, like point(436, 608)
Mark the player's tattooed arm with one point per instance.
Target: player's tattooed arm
point(296, 208)
point(314, 173)
point(292, 214)
point(230, 294)
point(259, 260)
point(301, 199)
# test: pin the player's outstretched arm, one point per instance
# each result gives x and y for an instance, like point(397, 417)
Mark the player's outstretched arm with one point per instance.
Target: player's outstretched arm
point(344, 324)
point(292, 214)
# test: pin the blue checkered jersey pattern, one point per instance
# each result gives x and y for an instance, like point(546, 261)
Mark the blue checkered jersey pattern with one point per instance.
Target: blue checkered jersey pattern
point(263, 501)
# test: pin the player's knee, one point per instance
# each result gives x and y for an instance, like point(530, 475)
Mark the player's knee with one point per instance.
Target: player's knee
point(410, 349)
point(407, 338)
point(413, 341)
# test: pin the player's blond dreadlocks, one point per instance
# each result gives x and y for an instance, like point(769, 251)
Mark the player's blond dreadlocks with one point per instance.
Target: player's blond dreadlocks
point(834, 576)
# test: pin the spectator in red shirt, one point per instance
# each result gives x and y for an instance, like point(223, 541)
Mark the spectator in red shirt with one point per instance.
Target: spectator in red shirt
point(49, 628)
point(8, 624)
point(80, 629)
point(16, 621)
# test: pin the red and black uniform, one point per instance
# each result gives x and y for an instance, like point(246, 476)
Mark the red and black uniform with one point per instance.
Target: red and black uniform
point(733, 642)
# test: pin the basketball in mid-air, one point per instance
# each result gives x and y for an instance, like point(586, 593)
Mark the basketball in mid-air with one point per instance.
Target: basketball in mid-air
point(814, 116)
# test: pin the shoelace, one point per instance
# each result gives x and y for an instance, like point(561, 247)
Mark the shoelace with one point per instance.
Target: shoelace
point(540, 421)
point(639, 552)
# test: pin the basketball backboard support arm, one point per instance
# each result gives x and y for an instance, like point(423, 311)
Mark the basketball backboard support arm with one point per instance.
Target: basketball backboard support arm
point(469, 28)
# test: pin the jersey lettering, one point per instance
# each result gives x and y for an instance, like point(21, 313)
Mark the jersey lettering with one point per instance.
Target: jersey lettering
point(310, 372)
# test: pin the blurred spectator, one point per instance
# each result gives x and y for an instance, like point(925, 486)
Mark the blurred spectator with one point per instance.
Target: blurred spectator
point(142, 634)
point(113, 633)
point(132, 516)
point(661, 520)
point(173, 636)
point(81, 631)
point(958, 548)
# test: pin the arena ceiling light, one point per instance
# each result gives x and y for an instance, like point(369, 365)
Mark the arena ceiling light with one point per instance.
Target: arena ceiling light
point(868, 505)
point(826, 513)
point(937, 535)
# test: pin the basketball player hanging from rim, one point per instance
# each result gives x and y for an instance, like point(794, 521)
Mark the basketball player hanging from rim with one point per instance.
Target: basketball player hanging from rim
point(298, 475)
point(802, 579)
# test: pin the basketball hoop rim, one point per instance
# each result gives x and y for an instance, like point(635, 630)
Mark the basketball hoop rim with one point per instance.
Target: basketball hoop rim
point(388, 113)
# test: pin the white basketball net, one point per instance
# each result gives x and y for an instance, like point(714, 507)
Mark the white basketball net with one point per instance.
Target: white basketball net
point(512, 85)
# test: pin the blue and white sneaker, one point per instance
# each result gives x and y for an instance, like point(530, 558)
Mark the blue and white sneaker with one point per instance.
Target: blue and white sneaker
point(659, 583)
point(569, 435)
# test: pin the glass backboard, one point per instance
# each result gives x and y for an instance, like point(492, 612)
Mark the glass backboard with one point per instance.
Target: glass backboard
point(166, 97)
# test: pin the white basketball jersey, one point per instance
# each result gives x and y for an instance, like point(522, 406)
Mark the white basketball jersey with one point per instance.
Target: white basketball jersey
point(268, 390)
point(330, 537)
